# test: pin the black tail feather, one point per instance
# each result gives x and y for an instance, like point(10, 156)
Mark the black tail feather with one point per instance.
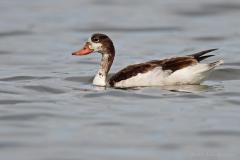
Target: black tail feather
point(204, 57)
point(199, 56)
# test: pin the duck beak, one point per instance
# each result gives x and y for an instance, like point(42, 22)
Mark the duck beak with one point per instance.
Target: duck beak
point(84, 51)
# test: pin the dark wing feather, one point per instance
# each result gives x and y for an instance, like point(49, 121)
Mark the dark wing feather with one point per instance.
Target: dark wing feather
point(177, 63)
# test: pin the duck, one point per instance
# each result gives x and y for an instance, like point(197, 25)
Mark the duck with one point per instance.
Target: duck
point(179, 70)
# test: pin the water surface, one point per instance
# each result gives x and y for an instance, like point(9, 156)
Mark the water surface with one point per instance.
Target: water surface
point(49, 109)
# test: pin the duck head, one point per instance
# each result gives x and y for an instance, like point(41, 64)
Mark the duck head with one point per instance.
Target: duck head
point(97, 43)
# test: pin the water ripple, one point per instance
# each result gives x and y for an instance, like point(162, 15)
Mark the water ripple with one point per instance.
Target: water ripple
point(225, 74)
point(25, 116)
point(20, 78)
point(210, 9)
point(83, 79)
point(128, 29)
point(8, 144)
point(13, 101)
point(14, 33)
point(8, 92)
point(4, 52)
point(170, 146)
point(45, 89)
point(108, 124)
point(121, 94)
point(219, 133)
point(235, 102)
point(209, 38)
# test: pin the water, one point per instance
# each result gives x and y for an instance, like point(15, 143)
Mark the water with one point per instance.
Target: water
point(51, 111)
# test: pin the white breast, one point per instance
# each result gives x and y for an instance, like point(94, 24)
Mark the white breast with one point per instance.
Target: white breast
point(99, 79)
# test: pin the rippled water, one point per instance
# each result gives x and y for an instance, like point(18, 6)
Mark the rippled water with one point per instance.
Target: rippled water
point(49, 109)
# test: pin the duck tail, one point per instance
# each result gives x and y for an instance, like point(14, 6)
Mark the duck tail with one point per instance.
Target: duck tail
point(199, 56)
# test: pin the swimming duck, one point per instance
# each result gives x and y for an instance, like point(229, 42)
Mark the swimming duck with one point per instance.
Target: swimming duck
point(182, 70)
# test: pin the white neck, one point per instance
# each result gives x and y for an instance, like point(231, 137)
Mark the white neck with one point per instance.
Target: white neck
point(100, 78)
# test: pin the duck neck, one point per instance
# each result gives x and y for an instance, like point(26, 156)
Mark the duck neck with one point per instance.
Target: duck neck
point(100, 78)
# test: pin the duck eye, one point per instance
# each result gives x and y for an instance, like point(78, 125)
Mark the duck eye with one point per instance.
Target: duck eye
point(95, 39)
